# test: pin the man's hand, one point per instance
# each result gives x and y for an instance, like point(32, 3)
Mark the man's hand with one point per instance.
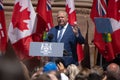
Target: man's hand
point(75, 30)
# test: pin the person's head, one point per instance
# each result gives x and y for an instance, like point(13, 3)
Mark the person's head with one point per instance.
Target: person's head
point(11, 70)
point(62, 18)
point(50, 66)
point(97, 69)
point(94, 76)
point(111, 78)
point(113, 68)
point(37, 73)
point(85, 71)
point(51, 69)
point(80, 76)
point(42, 77)
point(72, 70)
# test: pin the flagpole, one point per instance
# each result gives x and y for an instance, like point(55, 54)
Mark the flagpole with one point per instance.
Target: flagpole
point(101, 60)
point(95, 55)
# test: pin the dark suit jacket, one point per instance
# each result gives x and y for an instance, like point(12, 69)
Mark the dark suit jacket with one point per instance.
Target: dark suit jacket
point(69, 39)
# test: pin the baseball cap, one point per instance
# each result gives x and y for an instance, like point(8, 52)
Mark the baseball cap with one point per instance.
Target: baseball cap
point(50, 66)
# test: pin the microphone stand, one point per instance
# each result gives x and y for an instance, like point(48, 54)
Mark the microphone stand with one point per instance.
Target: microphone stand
point(50, 36)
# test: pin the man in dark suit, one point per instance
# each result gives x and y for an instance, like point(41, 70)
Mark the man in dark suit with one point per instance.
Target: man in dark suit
point(67, 34)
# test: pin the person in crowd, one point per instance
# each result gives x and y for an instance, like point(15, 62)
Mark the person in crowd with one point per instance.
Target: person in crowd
point(72, 71)
point(42, 77)
point(94, 76)
point(25, 71)
point(98, 70)
point(67, 34)
point(110, 78)
point(12, 69)
point(51, 69)
point(80, 76)
point(113, 69)
point(83, 74)
point(85, 71)
point(36, 73)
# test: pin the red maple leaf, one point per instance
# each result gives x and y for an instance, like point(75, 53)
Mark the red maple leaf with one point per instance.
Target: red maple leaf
point(18, 17)
point(71, 16)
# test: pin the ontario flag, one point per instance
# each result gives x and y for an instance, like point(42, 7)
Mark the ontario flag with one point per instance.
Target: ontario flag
point(44, 16)
point(3, 33)
point(107, 43)
point(114, 15)
point(70, 9)
point(22, 27)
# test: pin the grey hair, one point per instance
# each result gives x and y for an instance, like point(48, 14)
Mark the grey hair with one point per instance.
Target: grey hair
point(64, 12)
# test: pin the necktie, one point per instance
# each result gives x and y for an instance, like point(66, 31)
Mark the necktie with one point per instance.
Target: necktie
point(60, 34)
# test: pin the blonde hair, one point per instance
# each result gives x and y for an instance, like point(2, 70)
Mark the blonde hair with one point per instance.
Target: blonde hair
point(72, 71)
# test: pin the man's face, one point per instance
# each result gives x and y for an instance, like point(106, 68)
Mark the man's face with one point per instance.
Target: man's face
point(62, 19)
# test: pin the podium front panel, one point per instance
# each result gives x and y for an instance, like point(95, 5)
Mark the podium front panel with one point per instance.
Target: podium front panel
point(51, 49)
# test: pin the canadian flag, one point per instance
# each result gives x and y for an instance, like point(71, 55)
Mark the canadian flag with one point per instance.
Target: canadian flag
point(22, 27)
point(70, 9)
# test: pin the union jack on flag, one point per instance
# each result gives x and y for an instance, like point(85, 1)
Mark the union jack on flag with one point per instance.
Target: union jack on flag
point(48, 5)
point(49, 16)
point(1, 5)
point(101, 7)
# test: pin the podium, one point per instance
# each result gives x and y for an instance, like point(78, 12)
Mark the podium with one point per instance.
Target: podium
point(51, 49)
point(103, 25)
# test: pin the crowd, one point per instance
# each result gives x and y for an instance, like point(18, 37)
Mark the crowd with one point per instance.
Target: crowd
point(73, 72)
point(17, 70)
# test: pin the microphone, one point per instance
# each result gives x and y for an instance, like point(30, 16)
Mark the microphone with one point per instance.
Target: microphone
point(50, 37)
